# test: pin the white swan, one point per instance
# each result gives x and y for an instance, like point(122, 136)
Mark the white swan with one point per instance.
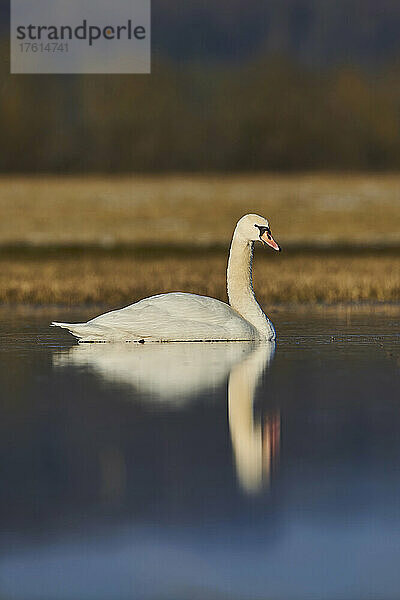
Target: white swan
point(181, 317)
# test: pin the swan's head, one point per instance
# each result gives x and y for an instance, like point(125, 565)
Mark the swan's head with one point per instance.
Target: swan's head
point(254, 228)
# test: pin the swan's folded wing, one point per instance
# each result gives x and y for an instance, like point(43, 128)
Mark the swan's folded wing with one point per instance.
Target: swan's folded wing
point(175, 316)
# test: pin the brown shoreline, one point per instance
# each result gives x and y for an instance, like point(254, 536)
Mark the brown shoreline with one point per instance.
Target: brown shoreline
point(116, 278)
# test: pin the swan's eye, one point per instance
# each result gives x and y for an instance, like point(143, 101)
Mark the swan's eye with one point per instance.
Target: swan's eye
point(262, 229)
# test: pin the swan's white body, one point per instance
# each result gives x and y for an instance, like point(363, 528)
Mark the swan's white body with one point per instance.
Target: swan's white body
point(188, 317)
point(174, 317)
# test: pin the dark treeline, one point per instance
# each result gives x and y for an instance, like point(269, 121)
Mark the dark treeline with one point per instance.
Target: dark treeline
point(269, 114)
point(316, 32)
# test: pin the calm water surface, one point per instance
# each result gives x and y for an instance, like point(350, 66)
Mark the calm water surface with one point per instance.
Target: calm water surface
point(201, 471)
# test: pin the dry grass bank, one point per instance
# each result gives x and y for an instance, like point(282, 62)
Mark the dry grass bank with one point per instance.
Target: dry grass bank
point(198, 210)
point(116, 279)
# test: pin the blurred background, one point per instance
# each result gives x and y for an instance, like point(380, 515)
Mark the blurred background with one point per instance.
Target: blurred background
point(287, 108)
point(236, 85)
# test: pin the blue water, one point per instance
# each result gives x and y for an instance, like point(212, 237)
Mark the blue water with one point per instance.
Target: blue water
point(201, 471)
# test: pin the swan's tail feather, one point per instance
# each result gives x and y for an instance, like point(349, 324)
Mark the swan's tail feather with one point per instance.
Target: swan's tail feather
point(79, 330)
point(90, 332)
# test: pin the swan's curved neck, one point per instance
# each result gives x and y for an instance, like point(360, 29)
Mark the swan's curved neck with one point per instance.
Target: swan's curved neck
point(240, 286)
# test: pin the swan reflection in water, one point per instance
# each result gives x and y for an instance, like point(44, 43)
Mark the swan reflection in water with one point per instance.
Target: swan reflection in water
point(175, 373)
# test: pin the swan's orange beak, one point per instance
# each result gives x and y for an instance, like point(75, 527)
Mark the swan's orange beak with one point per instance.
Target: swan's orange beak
point(268, 239)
